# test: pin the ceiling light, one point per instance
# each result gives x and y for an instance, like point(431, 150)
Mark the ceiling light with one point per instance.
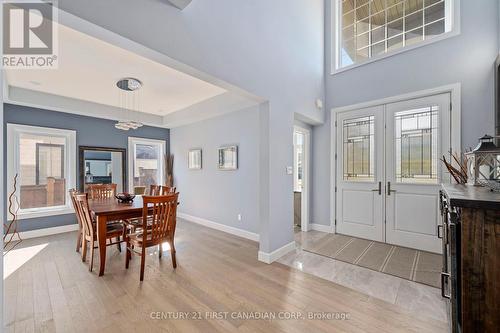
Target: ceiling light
point(129, 99)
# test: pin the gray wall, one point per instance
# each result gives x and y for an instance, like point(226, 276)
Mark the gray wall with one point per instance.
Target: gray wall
point(212, 194)
point(467, 58)
point(273, 49)
point(89, 132)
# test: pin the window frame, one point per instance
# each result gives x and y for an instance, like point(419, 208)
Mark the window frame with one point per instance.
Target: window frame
point(13, 166)
point(452, 22)
point(132, 141)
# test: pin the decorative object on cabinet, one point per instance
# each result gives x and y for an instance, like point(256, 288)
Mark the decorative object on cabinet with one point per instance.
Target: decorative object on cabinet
point(195, 159)
point(458, 173)
point(228, 158)
point(484, 164)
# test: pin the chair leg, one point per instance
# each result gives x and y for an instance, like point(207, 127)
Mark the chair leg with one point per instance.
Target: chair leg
point(172, 253)
point(143, 261)
point(118, 245)
point(91, 255)
point(160, 250)
point(84, 249)
point(128, 254)
point(79, 241)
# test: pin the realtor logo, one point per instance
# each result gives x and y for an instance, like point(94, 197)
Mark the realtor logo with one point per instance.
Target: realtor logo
point(29, 34)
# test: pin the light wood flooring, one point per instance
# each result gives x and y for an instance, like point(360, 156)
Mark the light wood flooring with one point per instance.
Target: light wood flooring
point(54, 292)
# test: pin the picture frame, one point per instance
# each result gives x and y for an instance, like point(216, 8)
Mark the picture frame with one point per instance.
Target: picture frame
point(195, 161)
point(227, 158)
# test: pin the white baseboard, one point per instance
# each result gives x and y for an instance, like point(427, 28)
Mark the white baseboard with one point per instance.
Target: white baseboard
point(47, 231)
point(268, 258)
point(321, 227)
point(221, 227)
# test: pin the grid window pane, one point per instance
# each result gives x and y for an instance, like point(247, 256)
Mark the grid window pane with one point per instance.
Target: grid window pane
point(414, 20)
point(412, 6)
point(347, 5)
point(434, 29)
point(42, 171)
point(395, 28)
point(362, 41)
point(414, 36)
point(363, 26)
point(395, 43)
point(348, 19)
point(378, 35)
point(371, 28)
point(378, 48)
point(416, 145)
point(434, 13)
point(358, 149)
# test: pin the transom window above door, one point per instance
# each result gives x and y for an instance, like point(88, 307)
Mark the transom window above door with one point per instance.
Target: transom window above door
point(371, 29)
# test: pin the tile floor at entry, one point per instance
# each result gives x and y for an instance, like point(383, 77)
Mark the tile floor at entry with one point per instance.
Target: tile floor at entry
point(411, 296)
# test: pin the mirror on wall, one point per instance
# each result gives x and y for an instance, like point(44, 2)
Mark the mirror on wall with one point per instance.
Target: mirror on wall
point(101, 165)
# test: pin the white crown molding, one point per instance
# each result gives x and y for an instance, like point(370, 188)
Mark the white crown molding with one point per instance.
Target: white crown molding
point(221, 227)
point(36, 99)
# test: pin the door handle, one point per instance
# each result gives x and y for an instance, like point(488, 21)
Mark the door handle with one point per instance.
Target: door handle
point(389, 189)
point(443, 277)
point(379, 189)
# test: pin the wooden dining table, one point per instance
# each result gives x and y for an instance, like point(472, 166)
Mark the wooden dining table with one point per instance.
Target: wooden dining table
point(108, 210)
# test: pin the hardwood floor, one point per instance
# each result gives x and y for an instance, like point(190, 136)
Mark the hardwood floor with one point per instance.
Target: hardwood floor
point(54, 292)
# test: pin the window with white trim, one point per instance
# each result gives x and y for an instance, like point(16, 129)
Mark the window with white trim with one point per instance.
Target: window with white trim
point(146, 158)
point(44, 160)
point(369, 29)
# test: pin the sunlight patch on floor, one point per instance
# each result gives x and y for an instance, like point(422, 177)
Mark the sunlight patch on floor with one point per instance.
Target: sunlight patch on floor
point(18, 257)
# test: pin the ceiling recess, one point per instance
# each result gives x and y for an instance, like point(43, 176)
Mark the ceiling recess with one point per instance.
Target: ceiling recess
point(180, 4)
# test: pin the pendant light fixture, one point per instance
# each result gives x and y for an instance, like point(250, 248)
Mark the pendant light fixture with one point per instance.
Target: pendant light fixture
point(129, 98)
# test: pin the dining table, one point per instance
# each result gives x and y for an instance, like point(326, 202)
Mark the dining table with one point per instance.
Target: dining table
point(109, 210)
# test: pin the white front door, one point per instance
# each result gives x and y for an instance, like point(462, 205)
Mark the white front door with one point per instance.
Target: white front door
point(389, 171)
point(417, 136)
point(360, 173)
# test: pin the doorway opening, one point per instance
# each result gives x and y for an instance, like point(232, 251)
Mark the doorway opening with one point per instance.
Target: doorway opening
point(301, 155)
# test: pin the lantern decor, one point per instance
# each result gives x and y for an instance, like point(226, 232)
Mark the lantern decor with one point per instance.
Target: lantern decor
point(484, 164)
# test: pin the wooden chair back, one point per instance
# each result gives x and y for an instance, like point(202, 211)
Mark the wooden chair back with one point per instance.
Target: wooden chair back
point(102, 191)
point(72, 193)
point(167, 190)
point(154, 190)
point(82, 204)
point(159, 216)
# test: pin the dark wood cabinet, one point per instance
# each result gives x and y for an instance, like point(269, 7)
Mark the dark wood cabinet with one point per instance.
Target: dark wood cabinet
point(471, 246)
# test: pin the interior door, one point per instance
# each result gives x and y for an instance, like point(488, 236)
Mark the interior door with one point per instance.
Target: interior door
point(417, 136)
point(360, 173)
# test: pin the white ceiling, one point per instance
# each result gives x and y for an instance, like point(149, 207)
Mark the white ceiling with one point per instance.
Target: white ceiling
point(89, 68)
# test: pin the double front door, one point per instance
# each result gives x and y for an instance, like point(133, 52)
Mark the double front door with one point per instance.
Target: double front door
point(389, 171)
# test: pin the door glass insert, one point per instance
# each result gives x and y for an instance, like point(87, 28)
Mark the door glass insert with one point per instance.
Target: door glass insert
point(359, 149)
point(416, 145)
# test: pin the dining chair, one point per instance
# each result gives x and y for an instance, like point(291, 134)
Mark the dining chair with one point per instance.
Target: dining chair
point(167, 190)
point(114, 230)
point(154, 189)
point(72, 193)
point(102, 191)
point(159, 216)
